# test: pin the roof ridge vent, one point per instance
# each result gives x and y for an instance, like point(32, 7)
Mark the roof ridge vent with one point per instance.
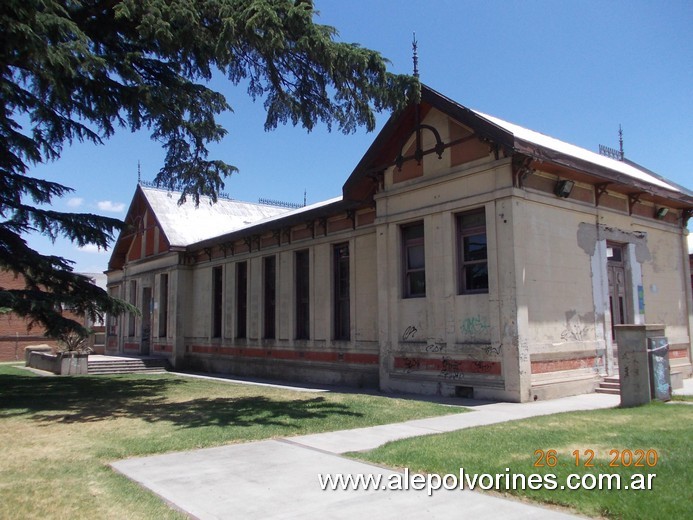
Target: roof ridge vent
point(612, 153)
point(281, 204)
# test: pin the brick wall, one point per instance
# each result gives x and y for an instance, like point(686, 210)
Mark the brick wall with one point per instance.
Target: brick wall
point(15, 333)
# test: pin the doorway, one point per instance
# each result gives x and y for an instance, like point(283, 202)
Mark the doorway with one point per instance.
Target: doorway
point(618, 288)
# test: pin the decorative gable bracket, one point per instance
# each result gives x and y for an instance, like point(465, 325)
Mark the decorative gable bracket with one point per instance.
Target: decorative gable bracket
point(419, 153)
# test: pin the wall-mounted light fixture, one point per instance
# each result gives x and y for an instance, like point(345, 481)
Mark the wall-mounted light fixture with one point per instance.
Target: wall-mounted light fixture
point(661, 213)
point(563, 188)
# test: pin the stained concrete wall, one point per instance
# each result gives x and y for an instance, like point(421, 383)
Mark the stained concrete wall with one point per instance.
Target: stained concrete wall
point(448, 343)
point(565, 328)
point(543, 328)
point(570, 320)
point(546, 317)
point(319, 358)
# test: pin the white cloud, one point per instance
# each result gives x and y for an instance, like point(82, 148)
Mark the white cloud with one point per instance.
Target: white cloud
point(113, 207)
point(690, 243)
point(75, 202)
point(91, 248)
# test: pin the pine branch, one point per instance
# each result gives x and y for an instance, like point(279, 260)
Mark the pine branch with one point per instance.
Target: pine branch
point(78, 71)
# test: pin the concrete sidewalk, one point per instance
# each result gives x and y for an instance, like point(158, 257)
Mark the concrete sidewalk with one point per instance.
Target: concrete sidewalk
point(278, 478)
point(687, 388)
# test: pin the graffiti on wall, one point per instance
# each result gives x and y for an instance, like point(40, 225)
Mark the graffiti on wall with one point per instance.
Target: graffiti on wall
point(490, 350)
point(475, 326)
point(411, 364)
point(483, 366)
point(451, 369)
point(409, 333)
point(575, 329)
point(438, 346)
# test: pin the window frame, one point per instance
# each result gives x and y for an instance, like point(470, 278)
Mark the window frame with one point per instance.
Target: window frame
point(302, 293)
point(341, 302)
point(269, 274)
point(163, 305)
point(217, 329)
point(241, 273)
point(112, 322)
point(132, 317)
point(463, 263)
point(407, 272)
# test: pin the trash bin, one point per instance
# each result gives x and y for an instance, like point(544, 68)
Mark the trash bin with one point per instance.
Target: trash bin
point(658, 360)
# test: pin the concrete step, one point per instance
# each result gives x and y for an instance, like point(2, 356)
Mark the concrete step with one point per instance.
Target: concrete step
point(124, 370)
point(127, 366)
point(609, 385)
point(612, 391)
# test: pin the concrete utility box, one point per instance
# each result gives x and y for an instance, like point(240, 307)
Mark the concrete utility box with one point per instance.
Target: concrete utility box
point(634, 362)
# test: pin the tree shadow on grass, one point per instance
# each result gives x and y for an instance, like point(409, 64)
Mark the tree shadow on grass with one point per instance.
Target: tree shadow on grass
point(90, 399)
point(26, 395)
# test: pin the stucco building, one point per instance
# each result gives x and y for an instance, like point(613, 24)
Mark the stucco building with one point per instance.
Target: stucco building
point(466, 256)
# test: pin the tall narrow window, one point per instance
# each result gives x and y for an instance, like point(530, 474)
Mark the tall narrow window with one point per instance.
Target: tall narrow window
point(270, 279)
point(414, 260)
point(217, 300)
point(302, 295)
point(241, 299)
point(163, 305)
point(112, 320)
point(342, 322)
point(133, 301)
point(146, 321)
point(473, 253)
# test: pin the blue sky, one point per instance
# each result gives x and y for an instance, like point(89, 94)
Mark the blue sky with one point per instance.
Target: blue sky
point(573, 70)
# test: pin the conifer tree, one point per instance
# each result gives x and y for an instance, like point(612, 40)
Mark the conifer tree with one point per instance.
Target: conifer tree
point(77, 70)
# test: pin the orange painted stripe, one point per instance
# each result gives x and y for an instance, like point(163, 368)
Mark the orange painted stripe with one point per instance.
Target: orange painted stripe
point(290, 355)
point(542, 367)
point(678, 354)
point(447, 365)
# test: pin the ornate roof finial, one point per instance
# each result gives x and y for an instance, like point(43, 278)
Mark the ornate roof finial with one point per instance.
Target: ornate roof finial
point(620, 141)
point(415, 56)
point(139, 173)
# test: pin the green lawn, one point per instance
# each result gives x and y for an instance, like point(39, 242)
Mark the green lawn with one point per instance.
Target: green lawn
point(666, 428)
point(58, 434)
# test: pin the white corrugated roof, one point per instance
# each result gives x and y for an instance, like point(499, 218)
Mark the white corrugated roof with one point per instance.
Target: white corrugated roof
point(298, 211)
point(187, 224)
point(579, 153)
point(287, 214)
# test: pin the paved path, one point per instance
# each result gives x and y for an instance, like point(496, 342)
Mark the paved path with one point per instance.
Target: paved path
point(278, 479)
point(687, 388)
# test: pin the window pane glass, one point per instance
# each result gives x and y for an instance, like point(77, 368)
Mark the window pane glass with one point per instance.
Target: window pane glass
point(613, 253)
point(417, 283)
point(415, 257)
point(472, 220)
point(475, 247)
point(476, 277)
point(416, 231)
